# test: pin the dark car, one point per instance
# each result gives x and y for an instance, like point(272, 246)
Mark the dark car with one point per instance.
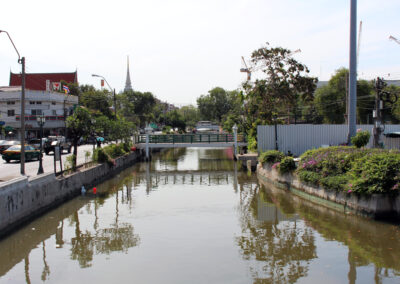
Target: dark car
point(14, 153)
point(54, 141)
point(7, 144)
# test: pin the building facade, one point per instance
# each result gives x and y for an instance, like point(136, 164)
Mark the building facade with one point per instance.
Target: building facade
point(54, 106)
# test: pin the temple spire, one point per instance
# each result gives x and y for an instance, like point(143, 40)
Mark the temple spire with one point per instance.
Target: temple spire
point(128, 85)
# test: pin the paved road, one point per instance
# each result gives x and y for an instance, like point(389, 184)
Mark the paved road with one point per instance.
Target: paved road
point(12, 170)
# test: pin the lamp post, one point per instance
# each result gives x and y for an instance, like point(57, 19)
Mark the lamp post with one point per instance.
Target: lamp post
point(41, 121)
point(112, 90)
point(21, 60)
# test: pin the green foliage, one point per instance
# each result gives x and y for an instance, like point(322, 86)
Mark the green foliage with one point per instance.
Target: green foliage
point(284, 85)
point(312, 178)
point(69, 163)
point(115, 150)
point(286, 165)
point(376, 173)
point(100, 156)
point(351, 169)
point(361, 138)
point(336, 182)
point(271, 156)
point(252, 144)
point(216, 104)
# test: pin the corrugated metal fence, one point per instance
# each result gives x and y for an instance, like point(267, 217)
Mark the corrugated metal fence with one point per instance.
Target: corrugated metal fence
point(298, 138)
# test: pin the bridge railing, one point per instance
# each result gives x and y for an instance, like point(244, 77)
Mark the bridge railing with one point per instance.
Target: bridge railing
point(190, 138)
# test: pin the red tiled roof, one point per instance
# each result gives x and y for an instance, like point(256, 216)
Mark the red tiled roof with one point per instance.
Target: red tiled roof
point(37, 81)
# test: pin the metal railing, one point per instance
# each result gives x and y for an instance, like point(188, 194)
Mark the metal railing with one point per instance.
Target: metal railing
point(189, 138)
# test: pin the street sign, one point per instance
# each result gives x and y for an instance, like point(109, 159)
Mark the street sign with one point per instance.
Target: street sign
point(57, 153)
point(2, 123)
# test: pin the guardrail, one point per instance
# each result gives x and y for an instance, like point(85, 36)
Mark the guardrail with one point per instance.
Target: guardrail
point(189, 138)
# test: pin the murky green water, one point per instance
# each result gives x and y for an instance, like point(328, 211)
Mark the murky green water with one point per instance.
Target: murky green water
point(191, 216)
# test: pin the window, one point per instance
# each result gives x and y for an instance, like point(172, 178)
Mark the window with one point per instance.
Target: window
point(54, 112)
point(10, 112)
point(36, 112)
point(11, 102)
point(53, 103)
point(38, 103)
point(32, 102)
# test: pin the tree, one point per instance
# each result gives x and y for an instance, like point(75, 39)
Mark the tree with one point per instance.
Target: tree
point(99, 101)
point(330, 100)
point(214, 105)
point(175, 120)
point(190, 115)
point(79, 125)
point(285, 83)
point(138, 107)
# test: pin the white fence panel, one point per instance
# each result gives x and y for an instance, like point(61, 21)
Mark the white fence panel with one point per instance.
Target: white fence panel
point(298, 138)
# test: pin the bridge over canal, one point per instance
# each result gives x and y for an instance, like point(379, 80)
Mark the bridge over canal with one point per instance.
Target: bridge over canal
point(211, 140)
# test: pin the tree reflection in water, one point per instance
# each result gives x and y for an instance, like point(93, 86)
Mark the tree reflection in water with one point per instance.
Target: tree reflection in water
point(279, 251)
point(119, 237)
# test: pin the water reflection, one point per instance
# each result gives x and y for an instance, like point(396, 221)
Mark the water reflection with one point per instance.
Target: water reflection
point(281, 238)
point(368, 242)
point(279, 248)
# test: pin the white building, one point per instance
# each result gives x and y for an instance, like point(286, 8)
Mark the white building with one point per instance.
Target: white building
point(54, 106)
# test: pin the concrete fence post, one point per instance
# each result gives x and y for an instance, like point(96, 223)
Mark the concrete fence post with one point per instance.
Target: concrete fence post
point(235, 150)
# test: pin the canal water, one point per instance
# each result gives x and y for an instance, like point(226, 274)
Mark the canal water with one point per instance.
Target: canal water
point(193, 216)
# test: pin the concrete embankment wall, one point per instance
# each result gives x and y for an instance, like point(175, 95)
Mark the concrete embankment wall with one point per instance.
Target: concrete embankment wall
point(378, 206)
point(25, 198)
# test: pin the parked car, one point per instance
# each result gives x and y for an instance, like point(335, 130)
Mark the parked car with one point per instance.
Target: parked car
point(7, 144)
point(60, 141)
point(36, 142)
point(14, 153)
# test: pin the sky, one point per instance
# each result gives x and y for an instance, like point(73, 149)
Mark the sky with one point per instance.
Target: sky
point(181, 49)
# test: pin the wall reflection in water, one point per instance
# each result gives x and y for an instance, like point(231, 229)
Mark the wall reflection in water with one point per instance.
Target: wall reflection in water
point(278, 238)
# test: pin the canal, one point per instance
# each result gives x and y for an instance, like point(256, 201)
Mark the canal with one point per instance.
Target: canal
point(193, 216)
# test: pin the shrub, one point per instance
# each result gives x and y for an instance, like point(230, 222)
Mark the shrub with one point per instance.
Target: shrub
point(252, 144)
point(335, 182)
point(375, 173)
point(286, 165)
point(361, 138)
point(100, 156)
point(309, 177)
point(271, 156)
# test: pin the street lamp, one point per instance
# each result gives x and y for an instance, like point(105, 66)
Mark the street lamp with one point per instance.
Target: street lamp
point(21, 60)
point(112, 90)
point(41, 121)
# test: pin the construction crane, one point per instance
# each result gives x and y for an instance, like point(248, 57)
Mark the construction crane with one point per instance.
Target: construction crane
point(394, 39)
point(247, 70)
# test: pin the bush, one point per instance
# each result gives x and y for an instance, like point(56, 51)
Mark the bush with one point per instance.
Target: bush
point(361, 138)
point(286, 165)
point(335, 182)
point(309, 177)
point(375, 173)
point(100, 156)
point(271, 156)
point(252, 144)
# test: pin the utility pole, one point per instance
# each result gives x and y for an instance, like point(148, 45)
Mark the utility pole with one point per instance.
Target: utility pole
point(353, 71)
point(23, 118)
point(379, 85)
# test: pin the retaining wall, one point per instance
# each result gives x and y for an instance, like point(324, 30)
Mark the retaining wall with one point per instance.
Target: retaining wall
point(376, 206)
point(23, 199)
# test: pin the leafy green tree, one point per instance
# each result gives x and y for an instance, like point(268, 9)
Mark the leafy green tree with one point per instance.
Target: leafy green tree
point(138, 107)
point(98, 101)
point(330, 100)
point(190, 114)
point(214, 105)
point(285, 82)
point(79, 125)
point(175, 120)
